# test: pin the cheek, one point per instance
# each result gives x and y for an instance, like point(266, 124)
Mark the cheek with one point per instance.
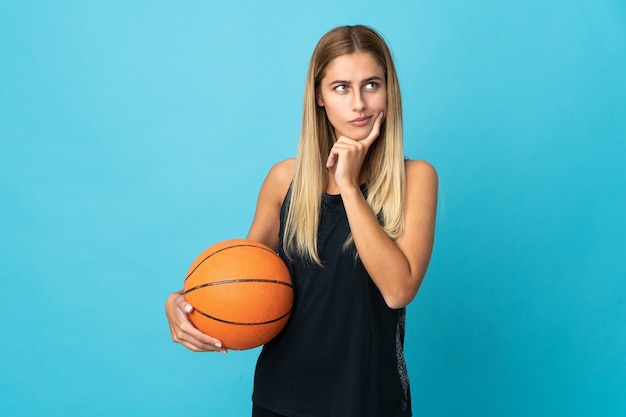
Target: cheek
point(381, 103)
point(333, 109)
point(333, 119)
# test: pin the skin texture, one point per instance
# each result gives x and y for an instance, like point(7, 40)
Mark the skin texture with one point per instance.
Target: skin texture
point(353, 95)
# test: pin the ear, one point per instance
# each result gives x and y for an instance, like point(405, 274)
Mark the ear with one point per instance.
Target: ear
point(319, 100)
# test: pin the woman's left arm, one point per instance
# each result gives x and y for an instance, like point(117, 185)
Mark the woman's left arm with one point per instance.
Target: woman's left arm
point(397, 267)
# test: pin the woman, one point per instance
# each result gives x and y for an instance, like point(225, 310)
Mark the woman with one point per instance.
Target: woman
point(354, 221)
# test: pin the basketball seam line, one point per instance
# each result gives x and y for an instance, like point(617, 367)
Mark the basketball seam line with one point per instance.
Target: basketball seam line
point(223, 249)
point(243, 324)
point(234, 281)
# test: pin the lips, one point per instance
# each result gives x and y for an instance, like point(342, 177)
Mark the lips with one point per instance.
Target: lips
point(361, 121)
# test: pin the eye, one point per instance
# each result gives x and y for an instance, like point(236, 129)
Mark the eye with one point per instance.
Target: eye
point(372, 85)
point(341, 88)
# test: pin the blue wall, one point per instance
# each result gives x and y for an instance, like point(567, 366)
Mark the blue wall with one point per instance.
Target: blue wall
point(135, 134)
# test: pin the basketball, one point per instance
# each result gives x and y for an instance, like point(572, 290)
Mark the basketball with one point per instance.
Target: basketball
point(241, 293)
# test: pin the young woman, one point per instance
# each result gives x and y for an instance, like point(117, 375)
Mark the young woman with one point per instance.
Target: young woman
point(354, 221)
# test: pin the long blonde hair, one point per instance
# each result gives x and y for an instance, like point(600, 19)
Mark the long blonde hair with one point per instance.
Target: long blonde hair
point(384, 162)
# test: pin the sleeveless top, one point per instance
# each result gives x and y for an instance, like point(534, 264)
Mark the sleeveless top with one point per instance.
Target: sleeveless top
point(341, 353)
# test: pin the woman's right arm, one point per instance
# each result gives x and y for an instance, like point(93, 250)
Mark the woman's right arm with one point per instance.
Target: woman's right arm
point(266, 224)
point(183, 332)
point(264, 229)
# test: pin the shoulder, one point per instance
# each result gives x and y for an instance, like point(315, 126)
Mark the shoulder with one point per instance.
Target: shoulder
point(420, 171)
point(281, 173)
point(279, 178)
point(422, 186)
point(266, 224)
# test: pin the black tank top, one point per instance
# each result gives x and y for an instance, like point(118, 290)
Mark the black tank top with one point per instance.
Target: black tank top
point(341, 353)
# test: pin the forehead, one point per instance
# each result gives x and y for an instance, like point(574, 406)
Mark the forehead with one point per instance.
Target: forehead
point(359, 65)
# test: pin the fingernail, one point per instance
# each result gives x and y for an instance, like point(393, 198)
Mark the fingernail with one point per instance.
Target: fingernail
point(188, 308)
point(380, 115)
point(218, 344)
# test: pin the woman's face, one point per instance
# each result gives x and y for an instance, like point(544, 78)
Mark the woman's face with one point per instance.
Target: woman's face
point(353, 93)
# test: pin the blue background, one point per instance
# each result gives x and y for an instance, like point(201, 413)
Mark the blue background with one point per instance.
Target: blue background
point(136, 134)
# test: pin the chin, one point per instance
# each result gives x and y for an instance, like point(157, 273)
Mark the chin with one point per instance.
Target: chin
point(355, 134)
point(362, 133)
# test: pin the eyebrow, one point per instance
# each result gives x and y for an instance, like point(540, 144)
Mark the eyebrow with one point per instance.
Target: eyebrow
point(365, 81)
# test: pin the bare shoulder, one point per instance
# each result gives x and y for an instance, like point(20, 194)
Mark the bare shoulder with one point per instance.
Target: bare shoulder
point(278, 180)
point(283, 171)
point(420, 173)
point(281, 174)
point(266, 223)
point(421, 204)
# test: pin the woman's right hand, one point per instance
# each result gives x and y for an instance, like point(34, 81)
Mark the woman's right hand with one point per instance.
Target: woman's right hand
point(183, 332)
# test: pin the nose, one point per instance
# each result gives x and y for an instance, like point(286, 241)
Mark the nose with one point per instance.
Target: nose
point(358, 103)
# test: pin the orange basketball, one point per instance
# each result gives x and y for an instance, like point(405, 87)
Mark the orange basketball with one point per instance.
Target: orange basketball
point(241, 293)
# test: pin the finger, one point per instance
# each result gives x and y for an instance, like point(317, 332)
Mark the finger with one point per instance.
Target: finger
point(183, 305)
point(198, 347)
point(342, 145)
point(375, 131)
point(190, 334)
point(201, 347)
point(332, 158)
point(197, 341)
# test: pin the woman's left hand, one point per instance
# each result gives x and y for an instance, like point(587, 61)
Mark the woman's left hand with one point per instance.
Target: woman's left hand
point(347, 155)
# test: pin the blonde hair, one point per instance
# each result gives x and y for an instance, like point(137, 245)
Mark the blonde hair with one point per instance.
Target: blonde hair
point(384, 162)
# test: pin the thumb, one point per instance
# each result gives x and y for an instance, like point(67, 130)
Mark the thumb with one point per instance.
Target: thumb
point(375, 131)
